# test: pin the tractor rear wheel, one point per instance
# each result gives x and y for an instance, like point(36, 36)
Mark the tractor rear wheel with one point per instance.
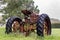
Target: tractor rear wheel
point(43, 25)
point(10, 22)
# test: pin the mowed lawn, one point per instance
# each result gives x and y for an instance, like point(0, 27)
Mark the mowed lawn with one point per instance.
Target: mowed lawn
point(33, 36)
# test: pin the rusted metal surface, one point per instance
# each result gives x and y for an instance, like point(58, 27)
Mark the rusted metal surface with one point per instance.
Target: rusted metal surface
point(29, 24)
point(15, 26)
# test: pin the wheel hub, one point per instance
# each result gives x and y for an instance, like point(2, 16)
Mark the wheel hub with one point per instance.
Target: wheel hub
point(45, 28)
point(15, 26)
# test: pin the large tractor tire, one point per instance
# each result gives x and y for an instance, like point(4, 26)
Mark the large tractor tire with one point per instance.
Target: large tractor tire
point(10, 22)
point(43, 24)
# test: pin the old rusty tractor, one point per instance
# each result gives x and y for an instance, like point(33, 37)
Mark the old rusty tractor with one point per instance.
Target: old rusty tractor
point(31, 22)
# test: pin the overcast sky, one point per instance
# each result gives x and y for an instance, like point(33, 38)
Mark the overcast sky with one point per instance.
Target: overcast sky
point(50, 7)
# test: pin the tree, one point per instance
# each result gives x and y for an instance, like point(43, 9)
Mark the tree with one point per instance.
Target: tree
point(14, 7)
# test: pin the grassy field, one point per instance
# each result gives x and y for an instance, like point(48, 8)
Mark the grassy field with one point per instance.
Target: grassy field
point(19, 36)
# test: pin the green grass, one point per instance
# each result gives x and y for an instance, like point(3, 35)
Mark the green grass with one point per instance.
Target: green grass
point(19, 36)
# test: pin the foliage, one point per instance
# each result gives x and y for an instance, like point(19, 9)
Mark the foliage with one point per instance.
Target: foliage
point(56, 25)
point(14, 8)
